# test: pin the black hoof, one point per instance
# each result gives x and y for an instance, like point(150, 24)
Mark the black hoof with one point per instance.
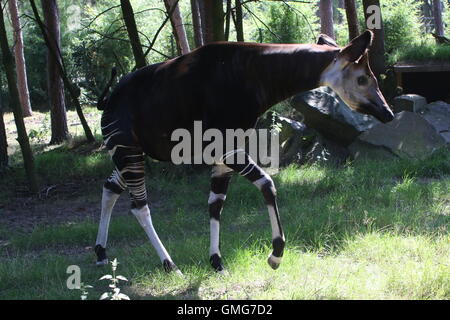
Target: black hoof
point(169, 267)
point(216, 263)
point(102, 259)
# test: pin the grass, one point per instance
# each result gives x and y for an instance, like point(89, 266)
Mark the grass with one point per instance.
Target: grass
point(367, 230)
point(425, 52)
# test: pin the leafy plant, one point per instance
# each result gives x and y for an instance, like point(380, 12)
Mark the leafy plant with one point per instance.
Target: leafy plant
point(115, 293)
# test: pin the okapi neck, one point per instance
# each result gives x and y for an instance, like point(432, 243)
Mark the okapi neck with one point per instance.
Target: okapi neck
point(283, 71)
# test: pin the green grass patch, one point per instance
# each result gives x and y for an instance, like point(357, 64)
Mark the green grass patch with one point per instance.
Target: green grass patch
point(367, 230)
point(421, 53)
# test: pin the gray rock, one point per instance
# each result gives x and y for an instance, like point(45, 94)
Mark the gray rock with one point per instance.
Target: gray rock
point(409, 135)
point(300, 144)
point(438, 115)
point(325, 112)
point(409, 102)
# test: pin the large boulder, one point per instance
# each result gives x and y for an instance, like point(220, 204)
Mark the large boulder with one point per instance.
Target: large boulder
point(409, 135)
point(325, 112)
point(300, 144)
point(438, 115)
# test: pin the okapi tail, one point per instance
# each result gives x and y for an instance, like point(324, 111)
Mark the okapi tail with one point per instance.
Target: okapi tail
point(103, 100)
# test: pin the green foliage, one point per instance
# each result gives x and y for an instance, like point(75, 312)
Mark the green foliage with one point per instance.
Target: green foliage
point(421, 52)
point(287, 25)
point(401, 23)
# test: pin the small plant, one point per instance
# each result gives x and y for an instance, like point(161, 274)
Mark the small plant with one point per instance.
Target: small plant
point(115, 293)
point(84, 290)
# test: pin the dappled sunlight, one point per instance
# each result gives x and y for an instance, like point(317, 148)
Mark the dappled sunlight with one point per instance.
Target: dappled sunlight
point(371, 266)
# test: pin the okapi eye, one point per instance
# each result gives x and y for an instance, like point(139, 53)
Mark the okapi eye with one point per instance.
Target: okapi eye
point(362, 80)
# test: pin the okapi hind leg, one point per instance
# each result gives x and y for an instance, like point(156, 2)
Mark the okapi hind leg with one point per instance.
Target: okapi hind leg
point(111, 192)
point(134, 175)
point(251, 171)
point(220, 179)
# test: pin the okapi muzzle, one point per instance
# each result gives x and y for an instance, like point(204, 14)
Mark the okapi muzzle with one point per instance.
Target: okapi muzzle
point(350, 76)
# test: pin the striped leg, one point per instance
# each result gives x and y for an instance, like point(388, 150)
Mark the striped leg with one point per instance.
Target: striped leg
point(133, 173)
point(251, 171)
point(220, 179)
point(130, 173)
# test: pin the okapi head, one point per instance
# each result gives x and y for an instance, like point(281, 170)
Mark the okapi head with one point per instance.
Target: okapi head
point(350, 76)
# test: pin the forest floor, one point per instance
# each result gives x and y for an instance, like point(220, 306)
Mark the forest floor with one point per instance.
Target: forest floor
point(367, 230)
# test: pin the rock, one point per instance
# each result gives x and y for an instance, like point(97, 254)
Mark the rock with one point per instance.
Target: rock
point(409, 135)
point(325, 112)
point(438, 115)
point(409, 102)
point(300, 144)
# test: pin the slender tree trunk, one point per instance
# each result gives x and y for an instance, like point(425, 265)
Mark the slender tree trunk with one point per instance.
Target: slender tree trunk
point(352, 19)
point(326, 17)
point(8, 63)
point(20, 59)
point(133, 34)
point(377, 52)
point(437, 12)
point(177, 26)
point(54, 51)
point(239, 22)
point(3, 141)
point(55, 85)
point(213, 26)
point(197, 22)
point(227, 20)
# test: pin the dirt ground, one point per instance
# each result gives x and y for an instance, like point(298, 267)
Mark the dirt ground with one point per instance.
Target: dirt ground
point(58, 204)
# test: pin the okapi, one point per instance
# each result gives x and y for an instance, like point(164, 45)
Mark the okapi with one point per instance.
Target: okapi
point(226, 86)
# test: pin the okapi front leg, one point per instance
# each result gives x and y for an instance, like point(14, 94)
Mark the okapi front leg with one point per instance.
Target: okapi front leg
point(220, 179)
point(251, 171)
point(111, 192)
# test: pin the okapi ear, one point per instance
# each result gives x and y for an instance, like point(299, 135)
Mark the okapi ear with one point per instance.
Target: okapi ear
point(357, 47)
point(324, 39)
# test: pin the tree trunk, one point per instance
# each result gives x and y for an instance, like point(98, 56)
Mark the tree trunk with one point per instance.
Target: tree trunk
point(377, 52)
point(55, 85)
point(437, 12)
point(227, 20)
point(197, 22)
point(8, 63)
point(177, 26)
point(352, 19)
point(3, 141)
point(56, 54)
point(326, 17)
point(133, 34)
point(238, 22)
point(21, 70)
point(213, 26)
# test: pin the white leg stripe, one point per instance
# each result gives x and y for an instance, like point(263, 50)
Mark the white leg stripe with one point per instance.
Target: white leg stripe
point(262, 181)
point(215, 235)
point(213, 197)
point(274, 223)
point(219, 170)
point(275, 259)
